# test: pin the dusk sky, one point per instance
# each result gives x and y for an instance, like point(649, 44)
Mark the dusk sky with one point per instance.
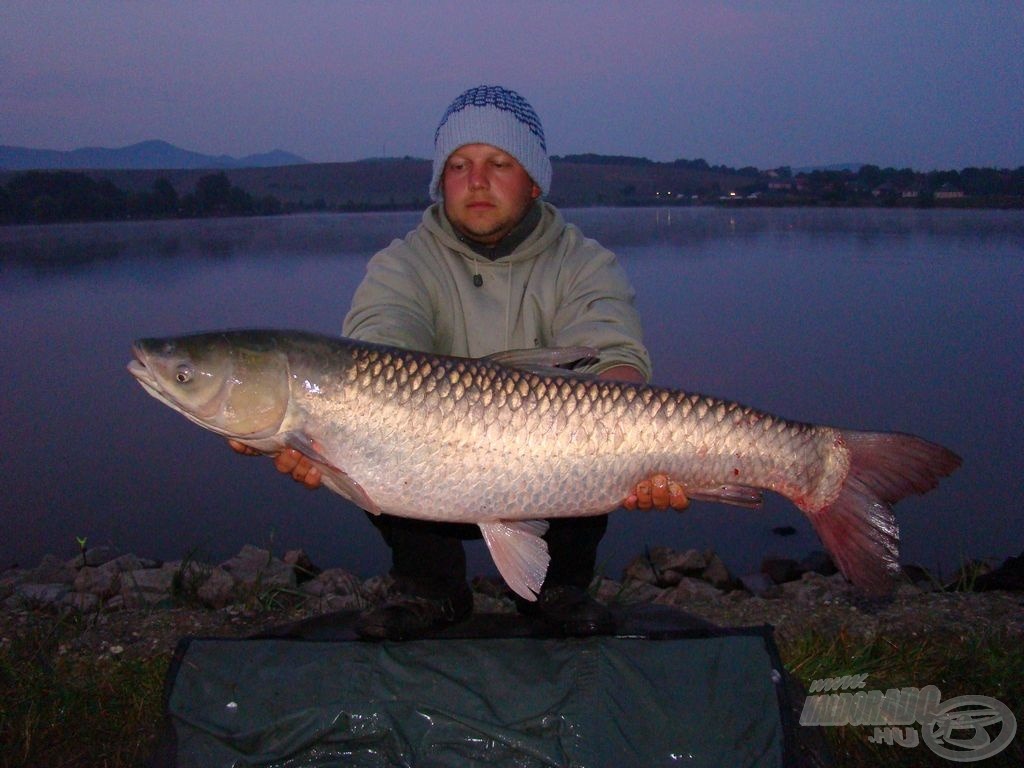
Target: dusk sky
point(936, 84)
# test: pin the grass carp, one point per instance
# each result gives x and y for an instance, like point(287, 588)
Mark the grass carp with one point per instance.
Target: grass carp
point(508, 441)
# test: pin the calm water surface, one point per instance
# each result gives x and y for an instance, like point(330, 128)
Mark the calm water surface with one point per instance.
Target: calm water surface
point(893, 320)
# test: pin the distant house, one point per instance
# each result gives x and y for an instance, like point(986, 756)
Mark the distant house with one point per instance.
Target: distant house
point(885, 189)
point(948, 192)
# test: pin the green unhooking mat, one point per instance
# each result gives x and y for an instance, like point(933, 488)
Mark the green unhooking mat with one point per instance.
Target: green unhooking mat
point(686, 697)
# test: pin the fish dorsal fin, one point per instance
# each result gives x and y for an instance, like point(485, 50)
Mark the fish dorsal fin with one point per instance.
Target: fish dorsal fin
point(544, 361)
point(520, 553)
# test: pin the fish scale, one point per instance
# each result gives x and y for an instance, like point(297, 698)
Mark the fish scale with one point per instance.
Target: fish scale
point(479, 441)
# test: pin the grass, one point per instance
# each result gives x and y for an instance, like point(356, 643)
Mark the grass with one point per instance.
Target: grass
point(59, 710)
point(983, 662)
point(56, 710)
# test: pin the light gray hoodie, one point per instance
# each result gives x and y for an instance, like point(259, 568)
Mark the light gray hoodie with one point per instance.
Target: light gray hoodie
point(555, 289)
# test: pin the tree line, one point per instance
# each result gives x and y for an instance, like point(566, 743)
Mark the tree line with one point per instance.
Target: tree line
point(43, 197)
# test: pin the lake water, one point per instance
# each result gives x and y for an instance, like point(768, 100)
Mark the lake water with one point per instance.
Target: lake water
point(872, 319)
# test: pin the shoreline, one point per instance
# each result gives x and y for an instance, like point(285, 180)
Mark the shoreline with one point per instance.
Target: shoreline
point(125, 606)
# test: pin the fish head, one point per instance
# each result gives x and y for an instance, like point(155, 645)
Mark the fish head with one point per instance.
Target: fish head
point(234, 384)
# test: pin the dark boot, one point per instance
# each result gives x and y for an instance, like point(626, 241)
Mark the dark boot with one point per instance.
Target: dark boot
point(407, 617)
point(564, 603)
point(570, 610)
point(430, 591)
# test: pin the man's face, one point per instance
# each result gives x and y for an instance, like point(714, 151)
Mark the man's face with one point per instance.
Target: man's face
point(486, 192)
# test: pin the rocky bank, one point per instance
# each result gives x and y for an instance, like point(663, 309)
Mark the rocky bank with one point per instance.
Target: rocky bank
point(123, 605)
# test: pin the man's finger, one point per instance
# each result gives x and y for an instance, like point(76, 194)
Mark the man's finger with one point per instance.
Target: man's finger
point(287, 460)
point(677, 497)
point(643, 495)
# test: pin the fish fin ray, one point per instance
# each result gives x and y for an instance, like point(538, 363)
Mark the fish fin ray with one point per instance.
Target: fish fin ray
point(335, 478)
point(544, 361)
point(737, 495)
point(519, 553)
point(858, 527)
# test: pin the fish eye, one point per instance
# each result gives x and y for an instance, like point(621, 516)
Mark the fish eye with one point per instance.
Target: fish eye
point(184, 374)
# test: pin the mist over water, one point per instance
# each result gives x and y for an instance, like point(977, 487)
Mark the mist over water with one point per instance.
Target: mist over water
point(869, 319)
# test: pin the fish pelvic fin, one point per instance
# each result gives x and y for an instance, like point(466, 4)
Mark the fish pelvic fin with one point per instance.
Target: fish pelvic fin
point(519, 553)
point(858, 527)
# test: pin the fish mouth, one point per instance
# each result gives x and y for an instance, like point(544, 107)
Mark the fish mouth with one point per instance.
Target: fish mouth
point(140, 370)
point(137, 367)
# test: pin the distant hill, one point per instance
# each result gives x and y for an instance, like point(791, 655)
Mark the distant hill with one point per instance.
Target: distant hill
point(146, 155)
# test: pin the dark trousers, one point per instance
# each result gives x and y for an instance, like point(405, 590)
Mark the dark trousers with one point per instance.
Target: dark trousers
point(428, 558)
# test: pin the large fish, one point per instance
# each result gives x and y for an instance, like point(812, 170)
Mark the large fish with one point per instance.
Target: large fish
point(507, 441)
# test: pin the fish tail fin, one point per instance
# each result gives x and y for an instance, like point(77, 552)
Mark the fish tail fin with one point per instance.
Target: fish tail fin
point(858, 527)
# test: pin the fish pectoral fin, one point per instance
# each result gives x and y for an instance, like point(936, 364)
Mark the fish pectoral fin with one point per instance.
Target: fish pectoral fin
point(333, 477)
point(343, 485)
point(519, 553)
point(737, 495)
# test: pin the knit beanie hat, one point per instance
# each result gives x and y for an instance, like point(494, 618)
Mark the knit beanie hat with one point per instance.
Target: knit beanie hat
point(490, 114)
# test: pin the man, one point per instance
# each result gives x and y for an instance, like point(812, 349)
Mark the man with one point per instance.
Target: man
point(492, 267)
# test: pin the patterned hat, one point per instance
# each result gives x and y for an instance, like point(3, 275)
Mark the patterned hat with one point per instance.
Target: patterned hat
point(490, 114)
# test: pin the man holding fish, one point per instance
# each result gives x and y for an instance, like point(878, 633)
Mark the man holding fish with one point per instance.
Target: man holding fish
point(493, 267)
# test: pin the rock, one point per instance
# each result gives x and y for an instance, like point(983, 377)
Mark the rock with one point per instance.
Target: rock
point(906, 589)
point(301, 564)
point(376, 588)
point(665, 567)
point(257, 569)
point(717, 574)
point(217, 590)
point(639, 569)
point(780, 569)
point(9, 581)
point(51, 571)
point(116, 603)
point(813, 588)
point(688, 590)
point(919, 576)
point(341, 603)
point(491, 587)
point(759, 584)
point(637, 592)
point(333, 581)
point(489, 604)
point(189, 577)
point(148, 586)
point(83, 602)
point(102, 582)
point(689, 563)
point(818, 561)
point(1008, 576)
point(41, 595)
point(968, 574)
point(129, 562)
point(93, 557)
point(606, 590)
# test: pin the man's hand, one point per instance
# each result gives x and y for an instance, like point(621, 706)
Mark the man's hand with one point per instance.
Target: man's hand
point(290, 462)
point(657, 492)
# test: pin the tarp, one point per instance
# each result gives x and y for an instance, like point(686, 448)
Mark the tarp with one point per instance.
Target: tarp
point(691, 696)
